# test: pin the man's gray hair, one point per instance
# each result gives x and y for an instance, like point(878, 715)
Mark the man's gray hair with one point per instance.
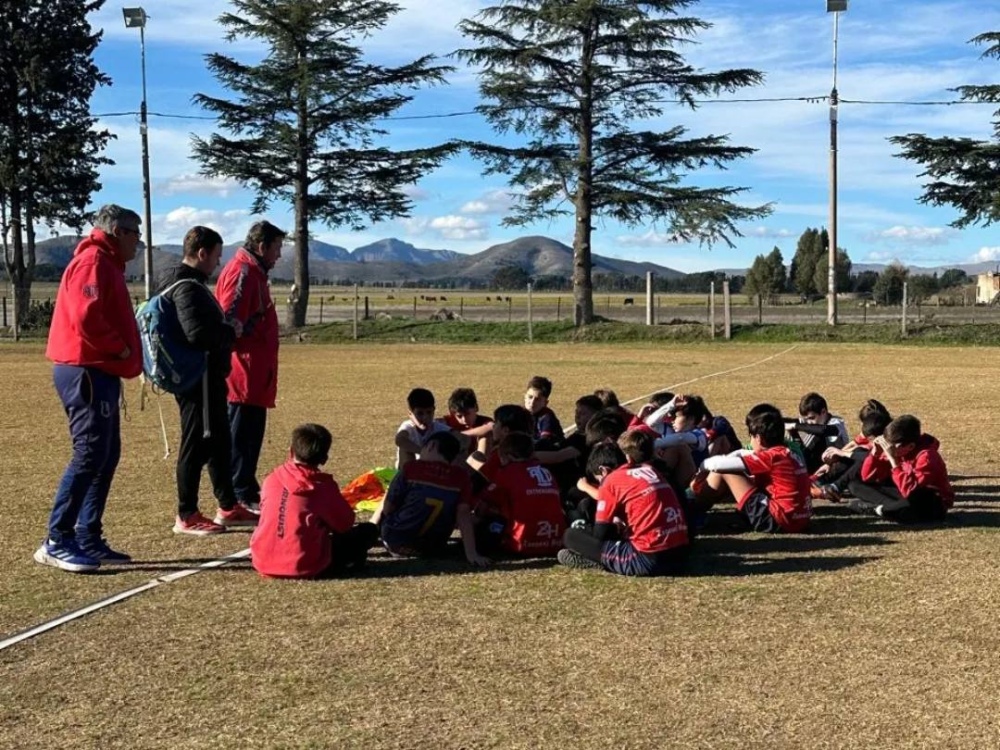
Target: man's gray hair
point(109, 217)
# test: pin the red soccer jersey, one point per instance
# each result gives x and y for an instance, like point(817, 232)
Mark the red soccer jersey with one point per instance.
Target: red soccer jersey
point(527, 495)
point(782, 475)
point(640, 497)
point(299, 508)
point(924, 468)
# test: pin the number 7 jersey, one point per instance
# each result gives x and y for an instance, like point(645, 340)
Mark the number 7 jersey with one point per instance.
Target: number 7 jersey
point(421, 505)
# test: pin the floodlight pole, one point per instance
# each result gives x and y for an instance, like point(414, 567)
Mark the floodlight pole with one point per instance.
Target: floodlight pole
point(137, 17)
point(831, 300)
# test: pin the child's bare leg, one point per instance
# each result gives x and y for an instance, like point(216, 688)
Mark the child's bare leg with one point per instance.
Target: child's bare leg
point(377, 515)
point(680, 463)
point(738, 485)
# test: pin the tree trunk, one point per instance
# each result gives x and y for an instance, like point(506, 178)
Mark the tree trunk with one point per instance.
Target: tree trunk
point(583, 287)
point(298, 304)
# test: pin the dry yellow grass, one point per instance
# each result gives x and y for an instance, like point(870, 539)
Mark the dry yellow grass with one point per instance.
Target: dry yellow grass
point(858, 634)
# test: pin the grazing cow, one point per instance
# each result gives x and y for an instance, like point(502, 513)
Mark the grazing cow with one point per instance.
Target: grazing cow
point(431, 299)
point(389, 296)
point(629, 301)
point(422, 296)
point(488, 299)
point(506, 299)
point(444, 299)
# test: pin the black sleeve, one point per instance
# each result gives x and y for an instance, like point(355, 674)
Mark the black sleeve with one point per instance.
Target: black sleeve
point(200, 318)
point(822, 430)
point(606, 532)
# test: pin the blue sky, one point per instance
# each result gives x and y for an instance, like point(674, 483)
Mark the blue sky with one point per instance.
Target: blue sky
point(889, 50)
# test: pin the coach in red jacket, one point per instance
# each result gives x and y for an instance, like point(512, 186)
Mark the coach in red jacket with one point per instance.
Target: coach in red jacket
point(94, 343)
point(244, 295)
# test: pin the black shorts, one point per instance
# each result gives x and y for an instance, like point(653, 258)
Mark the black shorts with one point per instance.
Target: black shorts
point(757, 510)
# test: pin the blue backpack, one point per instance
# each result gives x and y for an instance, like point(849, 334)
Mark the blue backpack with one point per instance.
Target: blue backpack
point(168, 361)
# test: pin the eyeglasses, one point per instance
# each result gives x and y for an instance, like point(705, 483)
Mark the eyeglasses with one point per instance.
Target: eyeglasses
point(130, 229)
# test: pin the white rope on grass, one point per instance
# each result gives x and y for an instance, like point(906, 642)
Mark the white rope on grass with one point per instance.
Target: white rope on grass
point(115, 598)
point(178, 575)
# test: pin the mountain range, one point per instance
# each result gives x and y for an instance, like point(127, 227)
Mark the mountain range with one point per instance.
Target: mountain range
point(392, 260)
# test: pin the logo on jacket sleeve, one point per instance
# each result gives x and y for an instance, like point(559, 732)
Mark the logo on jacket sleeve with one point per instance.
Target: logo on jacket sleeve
point(90, 291)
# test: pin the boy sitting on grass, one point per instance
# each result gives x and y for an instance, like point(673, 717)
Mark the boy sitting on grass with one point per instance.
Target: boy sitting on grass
point(920, 490)
point(425, 501)
point(769, 483)
point(813, 411)
point(417, 427)
point(639, 529)
point(306, 527)
point(548, 431)
point(520, 511)
point(464, 418)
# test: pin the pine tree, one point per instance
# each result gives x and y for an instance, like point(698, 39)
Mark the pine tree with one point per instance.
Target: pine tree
point(803, 270)
point(571, 78)
point(303, 126)
point(963, 171)
point(50, 151)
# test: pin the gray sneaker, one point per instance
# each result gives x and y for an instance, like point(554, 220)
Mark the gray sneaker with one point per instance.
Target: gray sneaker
point(571, 559)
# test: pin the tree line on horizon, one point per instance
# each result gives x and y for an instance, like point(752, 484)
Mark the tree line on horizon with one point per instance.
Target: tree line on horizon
point(566, 86)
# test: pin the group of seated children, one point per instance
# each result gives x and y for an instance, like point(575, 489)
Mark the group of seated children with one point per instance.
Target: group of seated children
point(622, 492)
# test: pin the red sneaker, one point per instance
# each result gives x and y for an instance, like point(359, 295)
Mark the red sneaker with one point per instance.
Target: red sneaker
point(237, 516)
point(197, 525)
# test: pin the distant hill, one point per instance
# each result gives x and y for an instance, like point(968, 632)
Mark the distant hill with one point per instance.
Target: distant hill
point(396, 251)
point(392, 260)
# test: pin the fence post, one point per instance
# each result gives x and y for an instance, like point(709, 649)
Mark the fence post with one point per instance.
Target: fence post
point(510, 309)
point(711, 308)
point(414, 306)
point(608, 307)
point(321, 311)
point(366, 307)
point(727, 311)
point(760, 309)
point(865, 314)
point(558, 308)
point(461, 306)
point(903, 320)
point(531, 337)
point(650, 319)
point(354, 332)
point(4, 312)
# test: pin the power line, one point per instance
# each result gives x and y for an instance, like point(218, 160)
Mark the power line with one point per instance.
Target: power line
point(757, 100)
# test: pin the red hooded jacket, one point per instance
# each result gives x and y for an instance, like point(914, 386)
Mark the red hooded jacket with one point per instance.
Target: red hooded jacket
point(923, 468)
point(299, 508)
point(93, 320)
point(244, 295)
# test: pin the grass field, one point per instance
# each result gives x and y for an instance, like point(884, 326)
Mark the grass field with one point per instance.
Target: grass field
point(858, 634)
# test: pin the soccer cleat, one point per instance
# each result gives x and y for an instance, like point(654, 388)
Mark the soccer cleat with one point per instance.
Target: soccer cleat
point(237, 516)
point(99, 550)
point(66, 555)
point(861, 506)
point(571, 559)
point(197, 525)
point(825, 492)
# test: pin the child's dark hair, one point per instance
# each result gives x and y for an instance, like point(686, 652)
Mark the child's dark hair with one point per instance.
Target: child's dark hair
point(874, 423)
point(759, 409)
point(542, 385)
point(872, 406)
point(768, 426)
point(607, 455)
point(311, 444)
point(812, 403)
point(608, 397)
point(692, 407)
point(420, 398)
point(462, 399)
point(607, 424)
point(590, 402)
point(661, 398)
point(447, 445)
point(903, 430)
point(637, 445)
point(515, 418)
point(517, 446)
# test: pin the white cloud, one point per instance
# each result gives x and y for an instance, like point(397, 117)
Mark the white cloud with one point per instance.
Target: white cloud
point(415, 193)
point(652, 238)
point(986, 254)
point(459, 228)
point(492, 202)
point(879, 256)
point(900, 234)
point(768, 233)
point(196, 184)
point(170, 227)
